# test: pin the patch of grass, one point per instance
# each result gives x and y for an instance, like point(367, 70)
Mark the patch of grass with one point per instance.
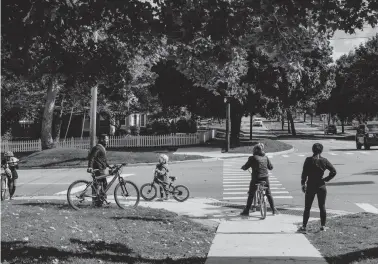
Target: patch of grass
point(68, 157)
point(270, 146)
point(350, 239)
point(50, 232)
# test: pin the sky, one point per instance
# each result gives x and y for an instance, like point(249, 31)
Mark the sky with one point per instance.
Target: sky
point(342, 43)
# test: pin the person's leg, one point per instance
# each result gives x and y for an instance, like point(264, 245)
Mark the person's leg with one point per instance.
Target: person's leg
point(251, 194)
point(309, 199)
point(322, 195)
point(12, 190)
point(165, 185)
point(268, 194)
point(10, 187)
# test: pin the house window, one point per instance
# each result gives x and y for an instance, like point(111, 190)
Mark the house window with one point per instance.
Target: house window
point(143, 120)
point(131, 120)
point(122, 122)
point(135, 120)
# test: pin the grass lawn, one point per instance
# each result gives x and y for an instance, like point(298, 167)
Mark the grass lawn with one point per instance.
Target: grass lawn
point(270, 146)
point(350, 239)
point(70, 157)
point(50, 232)
point(247, 146)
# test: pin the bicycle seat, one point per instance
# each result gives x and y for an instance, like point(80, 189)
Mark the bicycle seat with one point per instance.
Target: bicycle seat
point(263, 183)
point(173, 178)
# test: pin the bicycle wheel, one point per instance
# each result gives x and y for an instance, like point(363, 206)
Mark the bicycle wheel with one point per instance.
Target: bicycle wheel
point(181, 193)
point(126, 195)
point(4, 187)
point(148, 191)
point(263, 206)
point(80, 194)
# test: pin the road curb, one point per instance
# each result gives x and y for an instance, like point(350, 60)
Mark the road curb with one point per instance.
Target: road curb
point(207, 159)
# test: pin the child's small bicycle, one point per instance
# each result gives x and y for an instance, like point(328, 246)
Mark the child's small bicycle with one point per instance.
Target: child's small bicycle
point(179, 192)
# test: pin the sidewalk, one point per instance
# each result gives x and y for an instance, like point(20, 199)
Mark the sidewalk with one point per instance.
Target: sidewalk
point(242, 240)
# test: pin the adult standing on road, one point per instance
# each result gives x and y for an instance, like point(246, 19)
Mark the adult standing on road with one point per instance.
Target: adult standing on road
point(260, 165)
point(97, 161)
point(313, 184)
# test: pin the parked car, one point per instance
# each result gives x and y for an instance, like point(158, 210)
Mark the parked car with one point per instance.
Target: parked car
point(331, 129)
point(257, 124)
point(367, 136)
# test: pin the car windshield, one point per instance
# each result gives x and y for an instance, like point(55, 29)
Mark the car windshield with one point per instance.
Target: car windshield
point(373, 127)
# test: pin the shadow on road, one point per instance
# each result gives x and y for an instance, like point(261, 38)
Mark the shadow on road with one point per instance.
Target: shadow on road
point(47, 205)
point(373, 172)
point(349, 183)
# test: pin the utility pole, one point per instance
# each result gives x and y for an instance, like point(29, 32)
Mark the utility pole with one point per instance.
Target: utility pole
point(228, 112)
point(93, 117)
point(250, 126)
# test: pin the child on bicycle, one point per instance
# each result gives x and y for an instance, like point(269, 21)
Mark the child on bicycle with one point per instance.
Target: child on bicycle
point(260, 165)
point(161, 172)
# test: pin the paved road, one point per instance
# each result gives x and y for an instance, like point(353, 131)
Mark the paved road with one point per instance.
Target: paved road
point(353, 189)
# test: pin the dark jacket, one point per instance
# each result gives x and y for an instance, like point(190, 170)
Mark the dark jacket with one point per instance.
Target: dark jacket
point(313, 171)
point(97, 158)
point(260, 165)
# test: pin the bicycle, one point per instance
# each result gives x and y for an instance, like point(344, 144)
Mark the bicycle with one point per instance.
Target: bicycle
point(149, 191)
point(82, 189)
point(260, 199)
point(4, 186)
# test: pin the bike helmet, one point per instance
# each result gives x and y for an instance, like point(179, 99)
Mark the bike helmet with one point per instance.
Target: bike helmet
point(163, 158)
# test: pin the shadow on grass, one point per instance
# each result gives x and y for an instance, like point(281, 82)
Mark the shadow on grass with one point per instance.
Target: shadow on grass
point(140, 218)
point(21, 252)
point(371, 253)
point(59, 206)
point(62, 161)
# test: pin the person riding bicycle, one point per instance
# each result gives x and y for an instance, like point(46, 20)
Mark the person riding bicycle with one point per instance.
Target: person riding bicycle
point(313, 183)
point(97, 161)
point(260, 165)
point(161, 172)
point(10, 171)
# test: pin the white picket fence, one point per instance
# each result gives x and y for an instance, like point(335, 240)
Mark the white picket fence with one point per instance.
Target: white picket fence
point(115, 142)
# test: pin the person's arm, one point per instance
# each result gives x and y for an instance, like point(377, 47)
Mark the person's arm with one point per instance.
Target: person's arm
point(304, 172)
point(248, 164)
point(270, 166)
point(161, 171)
point(332, 171)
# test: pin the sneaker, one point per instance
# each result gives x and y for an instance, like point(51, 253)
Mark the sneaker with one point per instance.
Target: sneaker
point(253, 209)
point(160, 200)
point(275, 212)
point(244, 213)
point(302, 229)
point(323, 228)
point(166, 198)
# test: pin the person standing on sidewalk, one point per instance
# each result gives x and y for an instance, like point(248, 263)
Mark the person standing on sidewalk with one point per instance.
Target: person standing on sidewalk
point(313, 184)
point(260, 165)
point(97, 160)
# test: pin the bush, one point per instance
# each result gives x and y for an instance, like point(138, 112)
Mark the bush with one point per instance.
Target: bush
point(135, 130)
point(161, 128)
point(186, 126)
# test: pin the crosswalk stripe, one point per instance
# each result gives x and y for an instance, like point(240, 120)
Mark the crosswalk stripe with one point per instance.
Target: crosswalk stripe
point(333, 154)
point(285, 156)
point(247, 188)
point(349, 153)
point(368, 207)
point(301, 155)
point(245, 197)
point(363, 152)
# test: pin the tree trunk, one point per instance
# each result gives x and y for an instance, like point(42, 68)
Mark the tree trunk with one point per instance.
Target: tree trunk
point(288, 122)
point(236, 117)
point(291, 120)
point(283, 122)
point(304, 118)
point(58, 124)
point(69, 123)
point(311, 119)
point(329, 119)
point(46, 130)
point(342, 125)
